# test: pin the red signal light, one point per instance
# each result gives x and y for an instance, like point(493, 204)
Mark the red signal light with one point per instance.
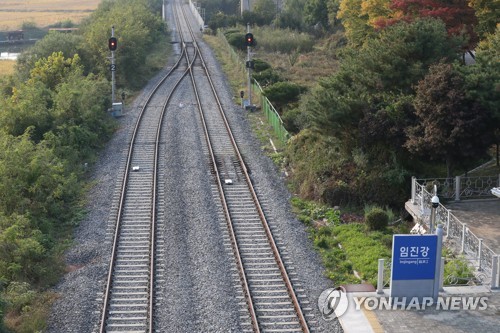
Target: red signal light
point(249, 39)
point(112, 43)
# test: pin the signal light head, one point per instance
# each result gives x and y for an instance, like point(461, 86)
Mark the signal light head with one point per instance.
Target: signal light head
point(249, 39)
point(112, 43)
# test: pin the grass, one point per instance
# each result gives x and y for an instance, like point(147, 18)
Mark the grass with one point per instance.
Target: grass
point(487, 169)
point(303, 59)
point(237, 77)
point(7, 67)
point(363, 248)
point(283, 40)
point(348, 250)
point(44, 12)
point(32, 317)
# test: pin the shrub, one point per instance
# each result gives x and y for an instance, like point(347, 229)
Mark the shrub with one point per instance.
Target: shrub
point(18, 295)
point(260, 65)
point(338, 195)
point(305, 219)
point(236, 39)
point(267, 77)
point(283, 93)
point(292, 120)
point(376, 219)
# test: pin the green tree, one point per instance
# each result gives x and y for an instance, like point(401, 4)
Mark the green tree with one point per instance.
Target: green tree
point(391, 63)
point(80, 125)
point(266, 9)
point(21, 249)
point(136, 27)
point(482, 80)
point(33, 180)
point(217, 7)
point(28, 106)
point(69, 44)
point(54, 69)
point(292, 15)
point(357, 117)
point(487, 13)
point(449, 126)
point(316, 13)
point(32, 103)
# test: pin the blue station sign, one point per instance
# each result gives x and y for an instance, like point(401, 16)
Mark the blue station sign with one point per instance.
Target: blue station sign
point(414, 257)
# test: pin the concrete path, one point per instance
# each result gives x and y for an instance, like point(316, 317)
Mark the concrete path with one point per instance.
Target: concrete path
point(482, 217)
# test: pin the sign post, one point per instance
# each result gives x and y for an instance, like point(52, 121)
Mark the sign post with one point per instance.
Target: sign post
point(416, 266)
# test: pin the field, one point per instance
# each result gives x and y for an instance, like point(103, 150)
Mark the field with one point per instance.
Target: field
point(43, 12)
point(6, 67)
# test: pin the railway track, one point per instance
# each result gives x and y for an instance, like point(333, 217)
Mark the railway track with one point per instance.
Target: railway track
point(272, 304)
point(128, 302)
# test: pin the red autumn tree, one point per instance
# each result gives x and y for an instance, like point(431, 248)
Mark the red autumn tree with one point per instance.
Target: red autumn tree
point(458, 17)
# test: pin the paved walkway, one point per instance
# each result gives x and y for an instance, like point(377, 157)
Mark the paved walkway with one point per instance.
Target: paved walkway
point(429, 320)
point(482, 217)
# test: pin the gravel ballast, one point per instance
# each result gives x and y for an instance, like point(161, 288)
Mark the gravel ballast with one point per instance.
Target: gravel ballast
point(196, 291)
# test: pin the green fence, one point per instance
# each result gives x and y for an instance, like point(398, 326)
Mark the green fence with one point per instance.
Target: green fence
point(272, 116)
point(234, 56)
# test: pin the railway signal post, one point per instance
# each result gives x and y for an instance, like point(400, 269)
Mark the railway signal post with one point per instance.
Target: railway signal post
point(112, 44)
point(249, 41)
point(116, 108)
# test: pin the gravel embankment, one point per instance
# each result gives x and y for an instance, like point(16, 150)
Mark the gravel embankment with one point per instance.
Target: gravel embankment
point(197, 286)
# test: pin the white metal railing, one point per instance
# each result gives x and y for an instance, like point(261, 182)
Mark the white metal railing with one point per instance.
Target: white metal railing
point(462, 187)
point(457, 277)
point(458, 236)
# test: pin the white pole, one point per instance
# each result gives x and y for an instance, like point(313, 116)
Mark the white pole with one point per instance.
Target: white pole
point(413, 189)
point(479, 254)
point(464, 230)
point(433, 220)
point(441, 275)
point(437, 272)
point(380, 278)
point(494, 272)
point(457, 188)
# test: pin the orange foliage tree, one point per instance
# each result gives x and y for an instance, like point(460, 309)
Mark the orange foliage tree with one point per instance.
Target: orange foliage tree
point(457, 15)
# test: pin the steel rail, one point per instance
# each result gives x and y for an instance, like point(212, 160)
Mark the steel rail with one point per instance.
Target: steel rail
point(116, 236)
point(270, 237)
point(232, 234)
